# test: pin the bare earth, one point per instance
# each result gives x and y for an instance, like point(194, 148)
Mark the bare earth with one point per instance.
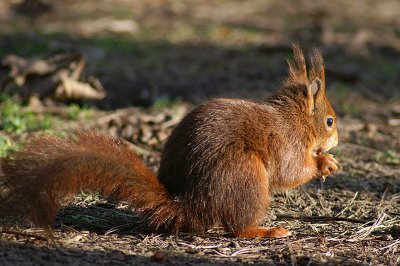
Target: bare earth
point(171, 55)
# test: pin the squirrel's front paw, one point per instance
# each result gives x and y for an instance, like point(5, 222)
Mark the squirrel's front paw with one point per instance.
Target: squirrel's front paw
point(326, 164)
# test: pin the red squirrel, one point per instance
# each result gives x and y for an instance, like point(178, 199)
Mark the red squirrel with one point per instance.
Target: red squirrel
point(219, 165)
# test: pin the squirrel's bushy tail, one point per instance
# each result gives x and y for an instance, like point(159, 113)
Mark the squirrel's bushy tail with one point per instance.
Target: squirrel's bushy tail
point(50, 169)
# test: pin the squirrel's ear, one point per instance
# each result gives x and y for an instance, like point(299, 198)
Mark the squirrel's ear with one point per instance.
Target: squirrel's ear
point(315, 89)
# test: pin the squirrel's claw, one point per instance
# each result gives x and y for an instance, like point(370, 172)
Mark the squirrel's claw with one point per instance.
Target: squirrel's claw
point(326, 165)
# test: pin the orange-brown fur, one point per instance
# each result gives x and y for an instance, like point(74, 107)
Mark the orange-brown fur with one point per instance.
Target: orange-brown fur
point(218, 167)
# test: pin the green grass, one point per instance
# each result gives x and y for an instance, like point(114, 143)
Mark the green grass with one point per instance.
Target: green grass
point(342, 93)
point(75, 112)
point(387, 157)
point(14, 120)
point(26, 47)
point(6, 145)
point(164, 102)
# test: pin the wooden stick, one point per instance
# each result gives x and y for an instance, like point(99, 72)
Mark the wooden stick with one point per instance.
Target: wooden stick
point(319, 218)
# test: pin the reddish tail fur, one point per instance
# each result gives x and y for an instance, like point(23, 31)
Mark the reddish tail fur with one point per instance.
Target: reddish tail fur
point(50, 169)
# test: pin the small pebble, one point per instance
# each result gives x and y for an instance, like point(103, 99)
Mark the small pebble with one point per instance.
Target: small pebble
point(158, 256)
point(395, 232)
point(234, 244)
point(394, 122)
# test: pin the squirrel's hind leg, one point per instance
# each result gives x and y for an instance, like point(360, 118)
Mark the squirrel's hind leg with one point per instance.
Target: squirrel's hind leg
point(262, 232)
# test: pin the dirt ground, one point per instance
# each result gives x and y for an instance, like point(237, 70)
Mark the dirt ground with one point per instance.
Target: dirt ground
point(158, 59)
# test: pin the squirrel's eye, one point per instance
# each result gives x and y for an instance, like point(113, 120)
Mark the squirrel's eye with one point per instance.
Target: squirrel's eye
point(329, 121)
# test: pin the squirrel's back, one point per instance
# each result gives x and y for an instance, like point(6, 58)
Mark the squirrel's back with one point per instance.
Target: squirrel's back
point(214, 161)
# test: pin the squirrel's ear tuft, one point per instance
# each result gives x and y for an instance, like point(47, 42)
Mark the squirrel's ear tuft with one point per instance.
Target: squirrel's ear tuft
point(297, 66)
point(317, 68)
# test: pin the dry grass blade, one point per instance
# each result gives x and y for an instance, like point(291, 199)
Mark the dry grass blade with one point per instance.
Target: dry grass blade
point(391, 245)
point(29, 233)
point(348, 205)
point(292, 255)
point(241, 251)
point(366, 231)
point(200, 246)
point(313, 201)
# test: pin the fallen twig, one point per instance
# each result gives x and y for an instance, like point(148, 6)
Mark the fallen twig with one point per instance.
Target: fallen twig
point(242, 251)
point(319, 218)
point(292, 255)
point(200, 246)
point(391, 245)
point(21, 233)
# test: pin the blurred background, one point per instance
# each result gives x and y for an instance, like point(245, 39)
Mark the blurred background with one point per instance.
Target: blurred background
point(145, 50)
